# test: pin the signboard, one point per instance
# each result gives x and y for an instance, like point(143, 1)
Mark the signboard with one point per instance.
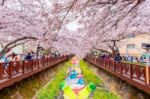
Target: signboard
point(145, 46)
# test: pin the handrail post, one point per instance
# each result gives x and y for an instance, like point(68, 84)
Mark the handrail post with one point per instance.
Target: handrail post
point(32, 65)
point(23, 67)
point(95, 59)
point(41, 61)
point(108, 63)
point(1, 71)
point(17, 66)
point(47, 60)
point(10, 69)
point(38, 63)
point(114, 65)
point(147, 68)
point(50, 60)
point(131, 70)
point(137, 71)
point(147, 73)
point(121, 68)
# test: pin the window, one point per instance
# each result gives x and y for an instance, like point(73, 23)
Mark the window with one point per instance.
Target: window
point(131, 46)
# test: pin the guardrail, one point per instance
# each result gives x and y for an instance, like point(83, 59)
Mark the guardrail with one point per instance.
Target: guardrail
point(131, 73)
point(12, 72)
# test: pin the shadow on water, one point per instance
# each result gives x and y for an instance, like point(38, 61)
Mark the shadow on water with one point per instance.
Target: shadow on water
point(119, 87)
point(27, 88)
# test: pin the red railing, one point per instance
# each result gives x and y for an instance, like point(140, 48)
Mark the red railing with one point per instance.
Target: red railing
point(15, 71)
point(133, 74)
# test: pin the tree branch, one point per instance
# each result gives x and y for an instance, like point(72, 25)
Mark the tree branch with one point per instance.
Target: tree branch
point(3, 1)
point(59, 28)
point(7, 47)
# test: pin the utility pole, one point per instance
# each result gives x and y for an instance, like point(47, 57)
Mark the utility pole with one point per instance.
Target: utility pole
point(38, 49)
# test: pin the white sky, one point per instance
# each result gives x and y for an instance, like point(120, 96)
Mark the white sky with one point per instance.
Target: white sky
point(73, 26)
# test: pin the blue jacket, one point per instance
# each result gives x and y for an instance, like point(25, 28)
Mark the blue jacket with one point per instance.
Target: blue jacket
point(28, 57)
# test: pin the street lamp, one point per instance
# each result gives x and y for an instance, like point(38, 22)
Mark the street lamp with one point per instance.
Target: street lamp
point(38, 49)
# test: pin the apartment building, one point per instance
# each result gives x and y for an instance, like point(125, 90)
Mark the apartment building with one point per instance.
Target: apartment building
point(133, 45)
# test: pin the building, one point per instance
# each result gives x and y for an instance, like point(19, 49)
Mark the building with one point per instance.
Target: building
point(17, 49)
point(133, 46)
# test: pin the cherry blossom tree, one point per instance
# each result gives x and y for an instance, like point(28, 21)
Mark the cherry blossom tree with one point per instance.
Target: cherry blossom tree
point(73, 26)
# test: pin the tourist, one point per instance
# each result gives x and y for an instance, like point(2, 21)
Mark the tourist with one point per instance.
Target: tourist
point(4, 60)
point(103, 56)
point(141, 59)
point(33, 55)
point(28, 57)
point(15, 57)
point(107, 56)
point(118, 58)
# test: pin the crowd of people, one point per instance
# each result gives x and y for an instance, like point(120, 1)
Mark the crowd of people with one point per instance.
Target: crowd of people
point(140, 59)
point(119, 58)
point(9, 57)
point(108, 56)
point(16, 57)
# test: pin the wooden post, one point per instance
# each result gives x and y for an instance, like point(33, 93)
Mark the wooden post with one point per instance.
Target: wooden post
point(44, 61)
point(51, 60)
point(17, 66)
point(41, 62)
point(1, 71)
point(114, 68)
point(147, 75)
point(131, 71)
point(147, 71)
point(23, 67)
point(47, 61)
point(38, 63)
point(10, 69)
point(121, 68)
point(137, 71)
point(32, 65)
point(108, 64)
